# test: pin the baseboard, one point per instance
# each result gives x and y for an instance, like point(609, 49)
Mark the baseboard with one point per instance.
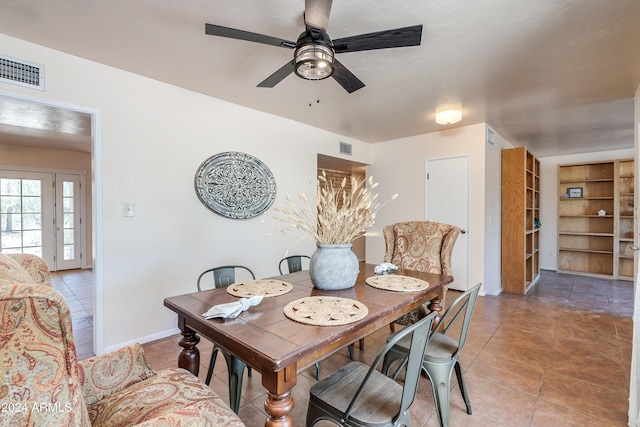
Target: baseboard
point(143, 340)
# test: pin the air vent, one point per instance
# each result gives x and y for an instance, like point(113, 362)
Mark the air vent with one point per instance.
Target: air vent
point(21, 73)
point(345, 148)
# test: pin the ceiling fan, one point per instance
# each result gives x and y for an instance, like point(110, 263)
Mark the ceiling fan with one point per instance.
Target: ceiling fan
point(313, 58)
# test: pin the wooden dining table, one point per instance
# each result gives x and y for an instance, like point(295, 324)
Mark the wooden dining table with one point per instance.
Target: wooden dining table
point(278, 347)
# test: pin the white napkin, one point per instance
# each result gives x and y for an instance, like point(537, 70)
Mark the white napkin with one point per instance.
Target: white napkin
point(385, 267)
point(231, 310)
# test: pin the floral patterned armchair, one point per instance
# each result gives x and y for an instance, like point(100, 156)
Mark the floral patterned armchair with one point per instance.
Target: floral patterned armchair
point(422, 246)
point(42, 383)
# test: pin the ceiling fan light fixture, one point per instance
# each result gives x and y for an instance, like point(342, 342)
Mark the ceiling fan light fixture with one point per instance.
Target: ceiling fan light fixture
point(448, 117)
point(314, 61)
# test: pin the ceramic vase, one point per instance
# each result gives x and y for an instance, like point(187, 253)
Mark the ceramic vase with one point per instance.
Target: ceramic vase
point(333, 267)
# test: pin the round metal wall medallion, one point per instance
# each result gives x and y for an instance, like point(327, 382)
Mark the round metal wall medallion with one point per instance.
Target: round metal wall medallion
point(235, 185)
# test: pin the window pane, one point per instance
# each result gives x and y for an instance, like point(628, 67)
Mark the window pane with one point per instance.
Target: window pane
point(36, 250)
point(67, 189)
point(32, 238)
point(67, 205)
point(11, 222)
point(10, 240)
point(31, 204)
point(68, 236)
point(68, 252)
point(9, 187)
point(32, 221)
point(31, 187)
point(10, 204)
point(12, 251)
point(68, 221)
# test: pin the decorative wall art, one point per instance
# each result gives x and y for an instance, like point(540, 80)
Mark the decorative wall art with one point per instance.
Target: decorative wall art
point(235, 185)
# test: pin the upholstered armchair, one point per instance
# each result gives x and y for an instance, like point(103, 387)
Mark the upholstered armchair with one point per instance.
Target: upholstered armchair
point(422, 246)
point(42, 383)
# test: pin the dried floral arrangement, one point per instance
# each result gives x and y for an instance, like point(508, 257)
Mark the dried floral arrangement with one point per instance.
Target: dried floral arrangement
point(340, 215)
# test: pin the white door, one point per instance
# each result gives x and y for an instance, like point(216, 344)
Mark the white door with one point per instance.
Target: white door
point(40, 215)
point(26, 214)
point(447, 201)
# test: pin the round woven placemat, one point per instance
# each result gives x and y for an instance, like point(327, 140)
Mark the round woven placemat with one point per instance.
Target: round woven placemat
point(392, 282)
point(325, 311)
point(266, 288)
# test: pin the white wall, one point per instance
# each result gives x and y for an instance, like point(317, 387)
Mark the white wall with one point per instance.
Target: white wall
point(634, 398)
point(399, 167)
point(549, 199)
point(493, 215)
point(153, 137)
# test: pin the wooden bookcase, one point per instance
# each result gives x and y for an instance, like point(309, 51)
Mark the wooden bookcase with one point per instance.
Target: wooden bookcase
point(520, 220)
point(595, 219)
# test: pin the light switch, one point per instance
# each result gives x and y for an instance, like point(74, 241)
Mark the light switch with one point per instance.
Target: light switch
point(127, 209)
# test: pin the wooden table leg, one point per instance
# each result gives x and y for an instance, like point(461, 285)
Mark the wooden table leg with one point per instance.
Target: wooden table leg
point(437, 304)
point(189, 357)
point(279, 403)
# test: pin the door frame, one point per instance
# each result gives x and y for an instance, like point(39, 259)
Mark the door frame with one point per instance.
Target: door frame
point(96, 206)
point(53, 175)
point(466, 228)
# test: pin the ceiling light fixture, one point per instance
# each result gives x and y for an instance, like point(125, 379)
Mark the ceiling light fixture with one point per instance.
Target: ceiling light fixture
point(314, 56)
point(448, 117)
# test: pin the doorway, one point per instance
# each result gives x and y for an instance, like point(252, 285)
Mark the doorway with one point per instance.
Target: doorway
point(40, 214)
point(339, 169)
point(46, 136)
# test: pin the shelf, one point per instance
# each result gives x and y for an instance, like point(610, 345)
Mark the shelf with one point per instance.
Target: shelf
point(520, 194)
point(586, 216)
point(592, 251)
point(580, 233)
point(588, 243)
point(574, 199)
point(577, 181)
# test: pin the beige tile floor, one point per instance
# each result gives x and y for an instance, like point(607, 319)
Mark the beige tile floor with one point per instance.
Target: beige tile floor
point(558, 357)
point(77, 288)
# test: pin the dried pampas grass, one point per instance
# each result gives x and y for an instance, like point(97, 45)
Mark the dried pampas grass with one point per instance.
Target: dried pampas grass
point(341, 215)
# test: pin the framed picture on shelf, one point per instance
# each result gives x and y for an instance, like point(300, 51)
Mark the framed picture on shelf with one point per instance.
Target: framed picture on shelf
point(575, 192)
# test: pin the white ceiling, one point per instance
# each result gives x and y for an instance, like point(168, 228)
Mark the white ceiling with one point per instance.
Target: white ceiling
point(558, 76)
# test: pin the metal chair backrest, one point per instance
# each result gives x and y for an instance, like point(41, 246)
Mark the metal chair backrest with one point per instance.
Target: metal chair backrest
point(461, 308)
point(294, 263)
point(223, 276)
point(420, 332)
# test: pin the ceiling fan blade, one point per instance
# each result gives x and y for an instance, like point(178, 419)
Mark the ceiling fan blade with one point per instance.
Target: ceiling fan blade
point(399, 37)
point(316, 13)
point(346, 78)
point(279, 75)
point(232, 33)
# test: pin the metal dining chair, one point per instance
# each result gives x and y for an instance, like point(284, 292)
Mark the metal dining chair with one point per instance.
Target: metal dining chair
point(360, 395)
point(294, 263)
point(442, 354)
point(222, 277)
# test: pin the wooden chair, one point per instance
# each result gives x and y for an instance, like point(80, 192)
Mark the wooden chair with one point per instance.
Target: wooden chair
point(359, 395)
point(442, 354)
point(224, 276)
point(421, 246)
